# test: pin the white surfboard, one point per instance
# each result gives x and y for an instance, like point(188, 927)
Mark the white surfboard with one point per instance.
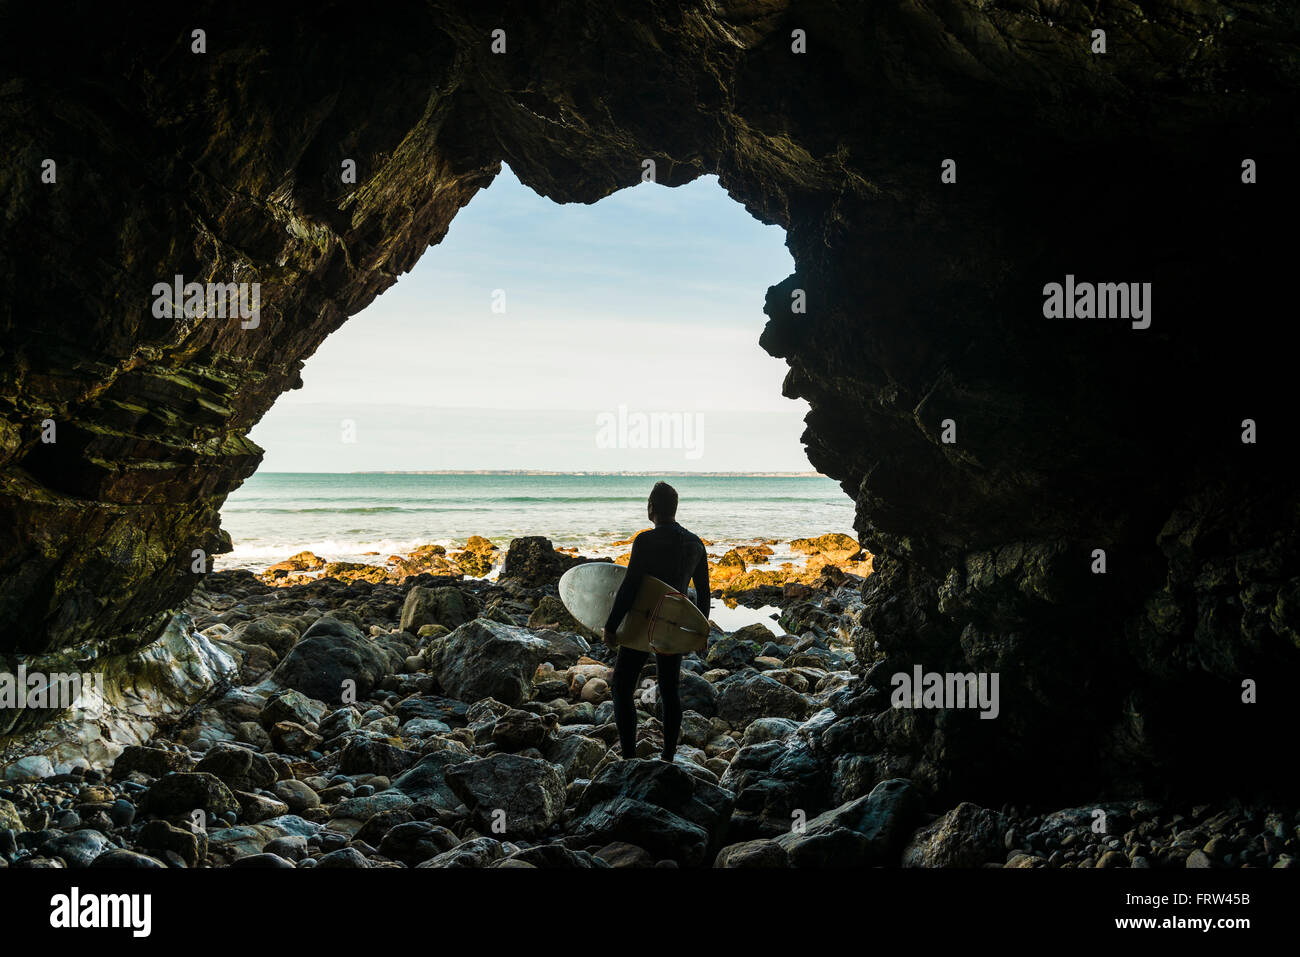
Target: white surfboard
point(660, 620)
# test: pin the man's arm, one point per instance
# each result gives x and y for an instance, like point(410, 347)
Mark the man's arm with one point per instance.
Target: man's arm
point(701, 579)
point(628, 590)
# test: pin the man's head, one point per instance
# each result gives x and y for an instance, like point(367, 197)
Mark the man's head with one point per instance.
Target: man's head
point(662, 506)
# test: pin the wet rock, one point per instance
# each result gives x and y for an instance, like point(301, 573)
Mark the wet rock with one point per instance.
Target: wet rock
point(289, 737)
point(762, 852)
point(524, 796)
point(123, 858)
point(622, 854)
point(161, 837)
point(153, 762)
point(552, 856)
point(447, 606)
point(255, 808)
point(78, 849)
point(479, 852)
point(550, 614)
point(869, 831)
point(660, 807)
point(733, 653)
point(296, 795)
point(365, 754)
point(744, 698)
point(181, 794)
point(517, 730)
point(768, 729)
point(533, 561)
point(265, 859)
point(486, 659)
point(576, 754)
point(967, 836)
point(332, 652)
point(274, 631)
point(426, 781)
point(290, 705)
point(344, 857)
point(414, 842)
point(239, 768)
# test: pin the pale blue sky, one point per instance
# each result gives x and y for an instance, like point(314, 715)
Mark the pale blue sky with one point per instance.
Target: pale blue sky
point(650, 300)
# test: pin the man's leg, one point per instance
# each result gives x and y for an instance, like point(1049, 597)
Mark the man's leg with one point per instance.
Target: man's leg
point(670, 670)
point(627, 668)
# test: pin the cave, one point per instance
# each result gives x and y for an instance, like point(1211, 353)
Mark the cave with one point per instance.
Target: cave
point(935, 166)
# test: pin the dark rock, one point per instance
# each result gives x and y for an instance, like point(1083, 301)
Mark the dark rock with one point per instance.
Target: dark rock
point(762, 852)
point(486, 659)
point(534, 561)
point(967, 836)
point(509, 794)
point(154, 762)
point(264, 859)
point(869, 831)
point(159, 836)
point(182, 794)
point(121, 857)
point(555, 855)
point(332, 652)
point(480, 852)
point(290, 705)
point(446, 606)
point(416, 841)
point(744, 698)
point(365, 754)
point(426, 781)
point(239, 768)
point(78, 849)
point(657, 806)
point(345, 857)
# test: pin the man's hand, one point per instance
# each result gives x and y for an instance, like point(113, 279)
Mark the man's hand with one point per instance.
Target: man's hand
point(611, 639)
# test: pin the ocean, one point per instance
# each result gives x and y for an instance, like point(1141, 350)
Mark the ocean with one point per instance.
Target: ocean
point(351, 516)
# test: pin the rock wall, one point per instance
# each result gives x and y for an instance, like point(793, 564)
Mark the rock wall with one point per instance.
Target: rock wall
point(923, 300)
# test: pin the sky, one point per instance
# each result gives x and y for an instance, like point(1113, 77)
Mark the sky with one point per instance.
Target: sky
point(617, 336)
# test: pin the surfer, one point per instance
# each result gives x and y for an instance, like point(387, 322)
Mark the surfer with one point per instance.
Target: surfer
point(674, 556)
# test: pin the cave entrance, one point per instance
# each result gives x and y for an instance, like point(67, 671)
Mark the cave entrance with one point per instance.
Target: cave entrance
point(554, 341)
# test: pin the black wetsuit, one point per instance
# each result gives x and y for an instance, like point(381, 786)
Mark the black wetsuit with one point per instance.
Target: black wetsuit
point(676, 557)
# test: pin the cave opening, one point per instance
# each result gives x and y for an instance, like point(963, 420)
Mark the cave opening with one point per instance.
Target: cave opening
point(534, 373)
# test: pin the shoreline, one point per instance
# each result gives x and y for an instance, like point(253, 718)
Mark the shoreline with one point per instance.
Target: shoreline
point(734, 566)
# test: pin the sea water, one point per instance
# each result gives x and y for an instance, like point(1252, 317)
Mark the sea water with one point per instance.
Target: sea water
point(366, 517)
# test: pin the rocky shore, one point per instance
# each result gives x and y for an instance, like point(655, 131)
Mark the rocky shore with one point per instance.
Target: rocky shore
point(747, 571)
point(441, 720)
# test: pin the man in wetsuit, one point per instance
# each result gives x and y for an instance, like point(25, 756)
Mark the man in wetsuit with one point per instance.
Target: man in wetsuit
point(674, 556)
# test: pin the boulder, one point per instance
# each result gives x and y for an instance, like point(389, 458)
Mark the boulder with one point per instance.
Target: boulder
point(331, 653)
point(447, 606)
point(534, 562)
point(486, 659)
point(238, 768)
point(746, 697)
point(658, 806)
point(867, 832)
point(182, 794)
point(509, 794)
point(967, 836)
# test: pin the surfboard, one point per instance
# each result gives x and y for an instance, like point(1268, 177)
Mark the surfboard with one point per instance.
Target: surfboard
point(661, 619)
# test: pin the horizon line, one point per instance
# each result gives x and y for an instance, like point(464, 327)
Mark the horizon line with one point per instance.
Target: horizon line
point(758, 473)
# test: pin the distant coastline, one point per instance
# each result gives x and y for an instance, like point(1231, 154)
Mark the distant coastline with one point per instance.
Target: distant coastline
point(672, 472)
